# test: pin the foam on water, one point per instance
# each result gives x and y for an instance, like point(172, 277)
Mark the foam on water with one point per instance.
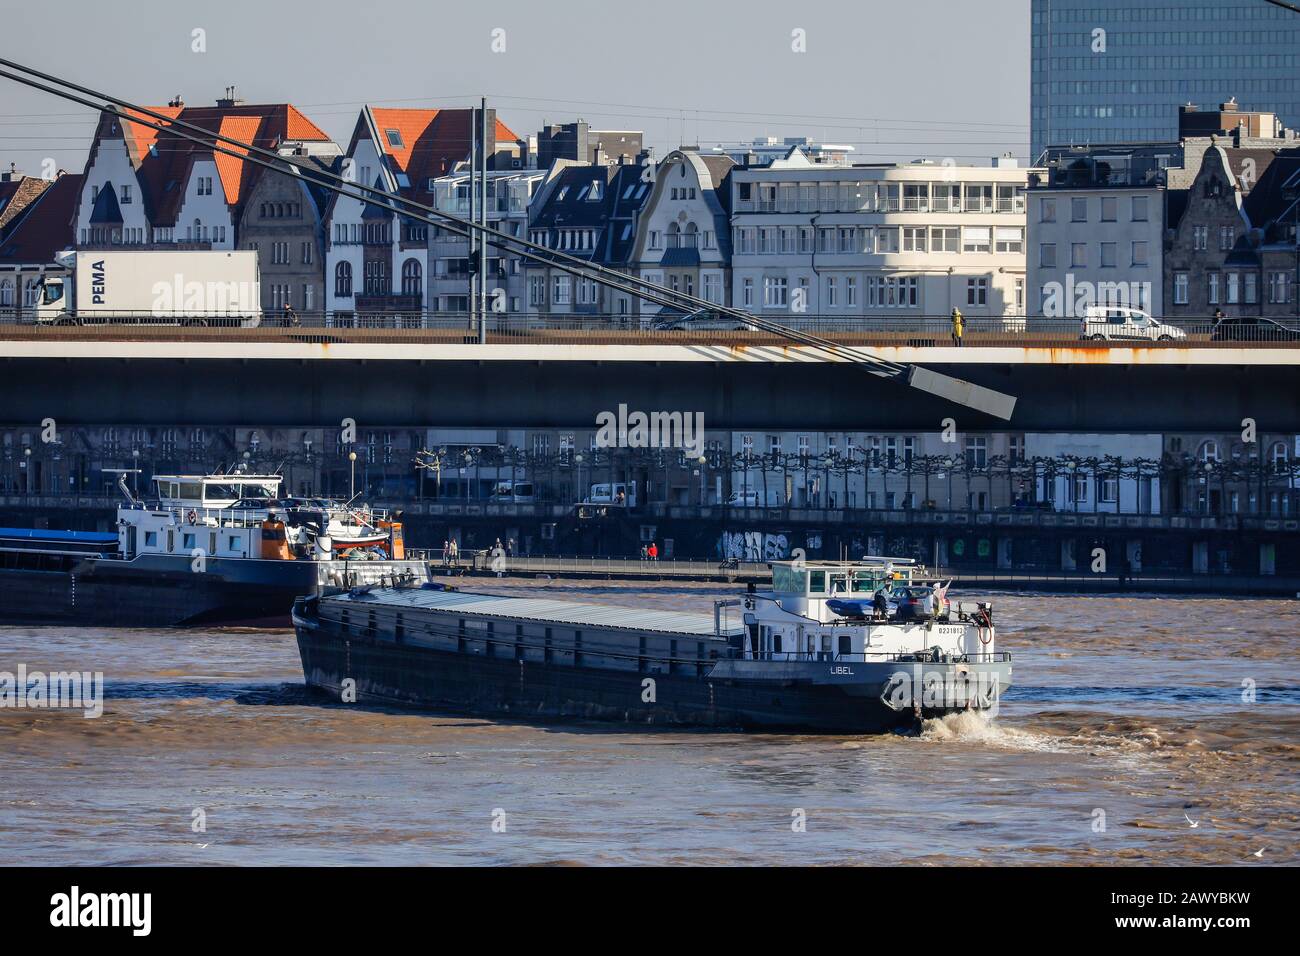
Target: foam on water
point(970, 726)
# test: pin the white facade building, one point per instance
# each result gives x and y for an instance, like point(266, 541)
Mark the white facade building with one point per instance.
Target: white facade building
point(683, 239)
point(509, 193)
point(879, 240)
point(1094, 484)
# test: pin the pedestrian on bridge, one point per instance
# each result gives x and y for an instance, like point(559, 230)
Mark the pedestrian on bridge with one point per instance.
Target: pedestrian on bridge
point(958, 326)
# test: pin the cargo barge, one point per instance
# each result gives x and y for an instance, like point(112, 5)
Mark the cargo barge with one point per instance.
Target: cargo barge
point(217, 549)
point(833, 647)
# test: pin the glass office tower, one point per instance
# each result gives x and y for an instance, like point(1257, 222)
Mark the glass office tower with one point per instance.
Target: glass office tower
point(1111, 71)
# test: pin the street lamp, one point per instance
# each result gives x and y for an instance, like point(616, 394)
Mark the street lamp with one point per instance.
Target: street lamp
point(27, 457)
point(352, 480)
point(947, 466)
point(577, 461)
point(702, 461)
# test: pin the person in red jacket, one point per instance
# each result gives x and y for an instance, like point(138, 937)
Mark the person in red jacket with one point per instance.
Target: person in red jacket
point(653, 551)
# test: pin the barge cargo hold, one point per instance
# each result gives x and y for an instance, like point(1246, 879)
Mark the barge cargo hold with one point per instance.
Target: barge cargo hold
point(753, 664)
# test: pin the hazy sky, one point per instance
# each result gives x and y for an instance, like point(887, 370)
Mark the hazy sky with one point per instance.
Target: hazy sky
point(897, 80)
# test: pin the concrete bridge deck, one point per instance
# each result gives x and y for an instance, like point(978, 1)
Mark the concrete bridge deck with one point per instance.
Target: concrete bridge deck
point(286, 377)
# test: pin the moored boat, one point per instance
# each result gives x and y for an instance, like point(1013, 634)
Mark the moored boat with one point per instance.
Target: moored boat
point(207, 549)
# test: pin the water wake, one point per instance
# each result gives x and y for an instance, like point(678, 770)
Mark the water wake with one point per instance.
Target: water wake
point(970, 726)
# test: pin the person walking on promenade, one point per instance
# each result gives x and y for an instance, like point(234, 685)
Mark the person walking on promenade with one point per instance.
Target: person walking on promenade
point(958, 326)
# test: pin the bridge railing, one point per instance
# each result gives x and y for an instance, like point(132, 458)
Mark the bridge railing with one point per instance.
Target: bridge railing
point(590, 328)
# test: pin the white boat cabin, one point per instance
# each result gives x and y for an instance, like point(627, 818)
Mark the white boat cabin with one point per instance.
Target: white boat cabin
point(240, 515)
point(213, 491)
point(795, 620)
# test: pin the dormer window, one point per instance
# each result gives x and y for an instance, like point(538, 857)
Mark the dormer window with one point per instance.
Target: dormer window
point(597, 191)
point(394, 138)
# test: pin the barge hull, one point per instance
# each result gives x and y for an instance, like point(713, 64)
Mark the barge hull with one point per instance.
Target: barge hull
point(420, 677)
point(153, 593)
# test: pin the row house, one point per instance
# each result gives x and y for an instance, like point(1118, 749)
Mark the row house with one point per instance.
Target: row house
point(1233, 246)
point(588, 212)
point(878, 240)
point(282, 222)
point(146, 188)
point(30, 244)
point(380, 261)
point(1096, 228)
point(509, 193)
point(683, 233)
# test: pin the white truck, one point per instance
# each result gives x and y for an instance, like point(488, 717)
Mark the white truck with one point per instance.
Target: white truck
point(202, 287)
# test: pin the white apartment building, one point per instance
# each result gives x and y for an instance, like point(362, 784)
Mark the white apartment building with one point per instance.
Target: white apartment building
point(509, 193)
point(879, 240)
point(683, 239)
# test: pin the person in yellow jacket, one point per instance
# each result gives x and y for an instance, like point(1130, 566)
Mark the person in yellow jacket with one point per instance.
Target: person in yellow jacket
point(958, 326)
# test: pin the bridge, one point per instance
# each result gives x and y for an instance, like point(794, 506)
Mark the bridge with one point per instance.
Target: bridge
point(553, 376)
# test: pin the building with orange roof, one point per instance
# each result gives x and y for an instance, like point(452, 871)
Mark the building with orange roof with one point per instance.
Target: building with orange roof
point(154, 188)
point(379, 262)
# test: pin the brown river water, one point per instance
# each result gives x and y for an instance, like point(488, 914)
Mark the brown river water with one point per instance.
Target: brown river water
point(1131, 719)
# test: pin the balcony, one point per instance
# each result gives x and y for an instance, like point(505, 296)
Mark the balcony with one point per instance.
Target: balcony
point(388, 302)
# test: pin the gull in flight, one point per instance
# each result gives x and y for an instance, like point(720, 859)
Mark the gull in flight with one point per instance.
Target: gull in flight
point(1193, 823)
point(1259, 852)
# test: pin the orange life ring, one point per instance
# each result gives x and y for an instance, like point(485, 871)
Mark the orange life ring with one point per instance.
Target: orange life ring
point(983, 639)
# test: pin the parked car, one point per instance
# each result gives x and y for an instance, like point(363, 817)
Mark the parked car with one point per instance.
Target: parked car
point(743, 499)
point(1119, 323)
point(1252, 328)
point(704, 320)
point(909, 604)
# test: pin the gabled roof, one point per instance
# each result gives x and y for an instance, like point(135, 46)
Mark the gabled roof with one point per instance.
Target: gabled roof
point(428, 142)
point(566, 203)
point(16, 195)
point(1274, 193)
point(46, 227)
point(162, 160)
point(423, 145)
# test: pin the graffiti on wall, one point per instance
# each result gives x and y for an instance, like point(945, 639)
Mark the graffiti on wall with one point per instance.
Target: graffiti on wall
point(753, 546)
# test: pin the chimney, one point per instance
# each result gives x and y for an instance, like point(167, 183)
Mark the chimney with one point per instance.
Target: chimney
point(176, 102)
point(229, 100)
point(1230, 106)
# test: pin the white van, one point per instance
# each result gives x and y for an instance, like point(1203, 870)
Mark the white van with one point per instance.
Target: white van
point(1119, 323)
point(619, 493)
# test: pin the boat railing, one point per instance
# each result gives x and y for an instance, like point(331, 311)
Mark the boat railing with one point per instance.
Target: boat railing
point(250, 517)
point(881, 657)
